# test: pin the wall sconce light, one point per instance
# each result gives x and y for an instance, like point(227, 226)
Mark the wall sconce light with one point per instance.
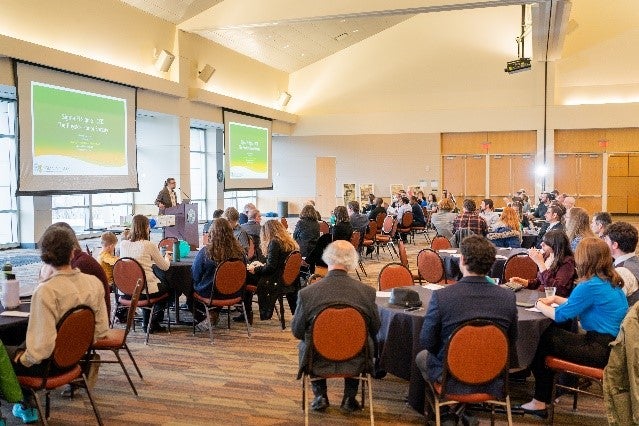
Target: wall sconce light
point(163, 60)
point(205, 73)
point(284, 99)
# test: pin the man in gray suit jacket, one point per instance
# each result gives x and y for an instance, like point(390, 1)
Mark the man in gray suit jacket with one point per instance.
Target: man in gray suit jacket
point(472, 297)
point(336, 288)
point(622, 239)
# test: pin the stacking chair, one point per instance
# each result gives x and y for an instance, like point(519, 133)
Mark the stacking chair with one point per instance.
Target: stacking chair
point(430, 267)
point(420, 229)
point(520, 265)
point(559, 365)
point(403, 259)
point(405, 226)
point(228, 288)
point(339, 334)
point(394, 275)
point(116, 339)
point(385, 239)
point(289, 277)
point(381, 217)
point(356, 241)
point(440, 242)
point(126, 273)
point(75, 332)
point(324, 228)
point(370, 236)
point(471, 361)
point(167, 243)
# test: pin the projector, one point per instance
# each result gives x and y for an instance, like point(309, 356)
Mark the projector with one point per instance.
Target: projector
point(518, 65)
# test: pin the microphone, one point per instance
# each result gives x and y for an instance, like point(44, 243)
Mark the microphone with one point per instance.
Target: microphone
point(185, 194)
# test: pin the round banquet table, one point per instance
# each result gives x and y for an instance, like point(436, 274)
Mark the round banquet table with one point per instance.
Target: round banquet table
point(398, 339)
point(451, 262)
point(179, 278)
point(13, 330)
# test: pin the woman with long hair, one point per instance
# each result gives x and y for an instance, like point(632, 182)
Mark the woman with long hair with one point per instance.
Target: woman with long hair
point(139, 247)
point(507, 230)
point(556, 265)
point(578, 226)
point(343, 229)
point(307, 230)
point(222, 246)
point(431, 202)
point(599, 303)
point(277, 243)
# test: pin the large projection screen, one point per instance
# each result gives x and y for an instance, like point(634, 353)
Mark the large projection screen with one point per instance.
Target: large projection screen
point(76, 133)
point(247, 152)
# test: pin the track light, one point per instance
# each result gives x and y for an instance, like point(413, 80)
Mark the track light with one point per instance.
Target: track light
point(285, 97)
point(205, 73)
point(164, 60)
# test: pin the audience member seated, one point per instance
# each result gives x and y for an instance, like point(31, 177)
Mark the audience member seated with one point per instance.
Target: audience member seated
point(277, 243)
point(65, 289)
point(216, 214)
point(317, 213)
point(231, 214)
point(569, 203)
point(622, 238)
point(370, 205)
point(359, 221)
point(599, 303)
point(343, 229)
point(149, 257)
point(488, 213)
point(472, 297)
point(556, 265)
point(600, 221)
point(107, 259)
point(578, 226)
point(554, 213)
point(470, 219)
point(307, 230)
point(418, 213)
point(222, 246)
point(379, 208)
point(431, 202)
point(443, 219)
point(542, 207)
point(242, 218)
point(252, 228)
point(507, 230)
point(335, 288)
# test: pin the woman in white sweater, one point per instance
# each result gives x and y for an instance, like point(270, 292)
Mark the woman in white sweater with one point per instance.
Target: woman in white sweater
point(139, 247)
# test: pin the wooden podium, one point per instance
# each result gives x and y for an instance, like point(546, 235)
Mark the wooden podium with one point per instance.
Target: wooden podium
point(186, 224)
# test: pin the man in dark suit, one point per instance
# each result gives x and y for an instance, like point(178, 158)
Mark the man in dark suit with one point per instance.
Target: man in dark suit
point(166, 197)
point(336, 288)
point(472, 297)
point(553, 217)
point(622, 239)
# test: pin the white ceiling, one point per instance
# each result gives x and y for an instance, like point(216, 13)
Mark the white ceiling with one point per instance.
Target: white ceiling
point(291, 34)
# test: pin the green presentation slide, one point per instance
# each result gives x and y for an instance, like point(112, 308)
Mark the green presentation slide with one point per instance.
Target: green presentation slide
point(248, 151)
point(76, 132)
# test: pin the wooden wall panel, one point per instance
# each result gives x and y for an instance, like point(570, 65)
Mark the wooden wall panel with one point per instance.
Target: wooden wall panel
point(523, 173)
point(633, 204)
point(590, 204)
point(579, 140)
point(617, 204)
point(515, 142)
point(463, 143)
point(617, 186)
point(622, 140)
point(454, 174)
point(500, 172)
point(565, 173)
point(590, 174)
point(618, 165)
point(476, 175)
point(633, 165)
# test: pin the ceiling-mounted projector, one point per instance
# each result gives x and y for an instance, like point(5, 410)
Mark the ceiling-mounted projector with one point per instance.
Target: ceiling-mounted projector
point(518, 65)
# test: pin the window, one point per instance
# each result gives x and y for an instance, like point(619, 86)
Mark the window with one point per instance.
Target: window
point(239, 199)
point(198, 170)
point(8, 201)
point(89, 212)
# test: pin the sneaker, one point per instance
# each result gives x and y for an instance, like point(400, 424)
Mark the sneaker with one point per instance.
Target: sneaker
point(350, 405)
point(320, 403)
point(68, 391)
point(215, 317)
point(202, 325)
point(26, 414)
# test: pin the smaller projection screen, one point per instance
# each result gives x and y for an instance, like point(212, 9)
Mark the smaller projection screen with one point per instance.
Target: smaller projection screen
point(77, 134)
point(247, 152)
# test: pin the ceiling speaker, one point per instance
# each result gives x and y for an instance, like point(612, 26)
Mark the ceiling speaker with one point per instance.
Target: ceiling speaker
point(164, 60)
point(206, 73)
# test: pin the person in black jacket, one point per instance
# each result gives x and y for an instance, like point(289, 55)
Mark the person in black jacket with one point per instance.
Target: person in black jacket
point(307, 230)
point(277, 243)
point(343, 229)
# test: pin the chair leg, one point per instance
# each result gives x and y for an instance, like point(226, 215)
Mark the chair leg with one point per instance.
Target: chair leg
point(209, 322)
point(282, 320)
point(135, 364)
point(370, 397)
point(246, 321)
point(42, 413)
point(305, 397)
point(90, 395)
point(509, 413)
point(126, 373)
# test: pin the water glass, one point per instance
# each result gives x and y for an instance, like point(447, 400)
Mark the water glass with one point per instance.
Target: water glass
point(550, 291)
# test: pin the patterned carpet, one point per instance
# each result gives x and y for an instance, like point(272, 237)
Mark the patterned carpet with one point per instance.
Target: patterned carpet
point(248, 381)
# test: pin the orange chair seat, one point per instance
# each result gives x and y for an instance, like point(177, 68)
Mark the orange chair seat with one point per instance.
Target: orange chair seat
point(563, 365)
point(144, 302)
point(471, 398)
point(53, 382)
point(251, 288)
point(383, 238)
point(217, 302)
point(114, 338)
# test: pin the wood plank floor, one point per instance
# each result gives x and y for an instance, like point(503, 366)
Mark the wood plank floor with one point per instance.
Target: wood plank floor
point(249, 381)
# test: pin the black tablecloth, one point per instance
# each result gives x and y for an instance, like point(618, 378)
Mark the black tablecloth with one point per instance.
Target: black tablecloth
point(398, 339)
point(451, 263)
point(13, 330)
point(179, 278)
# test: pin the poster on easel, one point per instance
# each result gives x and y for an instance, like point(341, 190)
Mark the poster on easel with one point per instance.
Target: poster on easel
point(413, 190)
point(364, 190)
point(395, 188)
point(349, 193)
